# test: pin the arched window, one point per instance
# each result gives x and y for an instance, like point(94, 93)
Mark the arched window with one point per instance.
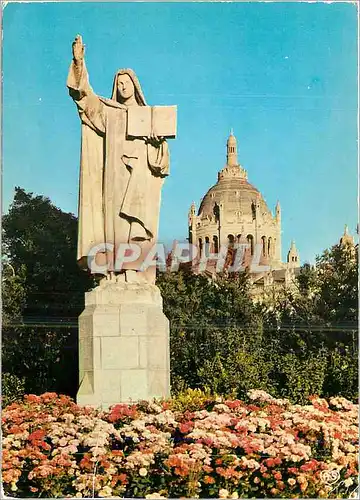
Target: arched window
point(263, 239)
point(216, 244)
point(270, 247)
point(200, 247)
point(250, 241)
point(207, 246)
point(238, 238)
point(231, 240)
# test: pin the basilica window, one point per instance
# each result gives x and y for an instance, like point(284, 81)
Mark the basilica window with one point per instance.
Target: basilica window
point(250, 241)
point(216, 244)
point(200, 247)
point(263, 239)
point(231, 240)
point(207, 246)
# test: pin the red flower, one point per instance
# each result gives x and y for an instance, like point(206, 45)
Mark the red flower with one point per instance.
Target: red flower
point(32, 398)
point(122, 478)
point(270, 462)
point(186, 427)
point(15, 429)
point(37, 435)
point(292, 470)
point(48, 396)
point(209, 480)
point(233, 404)
point(309, 466)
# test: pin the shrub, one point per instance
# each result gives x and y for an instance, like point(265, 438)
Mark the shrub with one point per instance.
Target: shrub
point(12, 388)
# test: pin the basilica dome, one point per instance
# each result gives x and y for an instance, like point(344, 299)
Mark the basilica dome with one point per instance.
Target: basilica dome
point(233, 191)
point(233, 210)
point(234, 215)
point(237, 195)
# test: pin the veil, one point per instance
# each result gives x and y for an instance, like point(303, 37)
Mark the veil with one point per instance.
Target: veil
point(139, 96)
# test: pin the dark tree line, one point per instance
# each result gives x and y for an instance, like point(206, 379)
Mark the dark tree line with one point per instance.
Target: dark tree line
point(292, 343)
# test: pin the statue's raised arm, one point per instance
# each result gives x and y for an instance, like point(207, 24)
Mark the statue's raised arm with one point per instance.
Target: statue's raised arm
point(90, 107)
point(78, 51)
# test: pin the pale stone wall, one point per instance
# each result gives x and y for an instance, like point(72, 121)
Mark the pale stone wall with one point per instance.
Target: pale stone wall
point(123, 345)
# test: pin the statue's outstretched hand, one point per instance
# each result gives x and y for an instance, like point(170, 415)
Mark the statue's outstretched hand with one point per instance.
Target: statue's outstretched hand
point(78, 49)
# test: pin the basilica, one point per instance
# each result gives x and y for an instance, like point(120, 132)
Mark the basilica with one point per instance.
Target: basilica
point(232, 212)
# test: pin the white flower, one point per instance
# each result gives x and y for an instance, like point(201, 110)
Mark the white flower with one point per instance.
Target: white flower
point(106, 491)
point(348, 482)
point(143, 472)
point(235, 495)
point(223, 493)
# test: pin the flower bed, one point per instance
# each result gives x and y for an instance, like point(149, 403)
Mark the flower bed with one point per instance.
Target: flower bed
point(227, 449)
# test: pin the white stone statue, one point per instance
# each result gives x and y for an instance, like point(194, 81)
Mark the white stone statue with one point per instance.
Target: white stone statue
point(120, 176)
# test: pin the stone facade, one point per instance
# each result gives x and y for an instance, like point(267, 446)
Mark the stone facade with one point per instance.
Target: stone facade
point(234, 211)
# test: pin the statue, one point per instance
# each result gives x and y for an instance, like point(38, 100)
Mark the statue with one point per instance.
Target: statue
point(121, 176)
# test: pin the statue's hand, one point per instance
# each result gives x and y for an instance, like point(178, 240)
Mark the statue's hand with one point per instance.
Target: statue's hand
point(78, 49)
point(154, 140)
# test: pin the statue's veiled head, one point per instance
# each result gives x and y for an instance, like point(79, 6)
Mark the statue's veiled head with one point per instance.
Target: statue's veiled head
point(125, 86)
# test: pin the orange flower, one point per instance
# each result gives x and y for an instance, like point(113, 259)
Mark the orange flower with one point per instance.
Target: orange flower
point(209, 480)
point(117, 453)
point(37, 435)
point(32, 398)
point(186, 427)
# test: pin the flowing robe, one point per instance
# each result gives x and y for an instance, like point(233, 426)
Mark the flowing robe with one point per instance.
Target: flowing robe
point(120, 177)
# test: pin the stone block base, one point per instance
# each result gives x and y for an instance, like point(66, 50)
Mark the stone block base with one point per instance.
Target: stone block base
point(124, 353)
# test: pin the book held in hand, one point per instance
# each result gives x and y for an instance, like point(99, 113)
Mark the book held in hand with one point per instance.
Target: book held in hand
point(161, 119)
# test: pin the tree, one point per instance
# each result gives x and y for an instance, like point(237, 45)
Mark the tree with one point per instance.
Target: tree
point(313, 328)
point(294, 342)
point(44, 296)
point(41, 237)
point(213, 330)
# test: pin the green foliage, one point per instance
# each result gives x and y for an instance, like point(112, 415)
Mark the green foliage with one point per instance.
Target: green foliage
point(300, 377)
point(12, 389)
point(13, 293)
point(42, 296)
point(42, 238)
point(191, 400)
point(337, 273)
point(292, 342)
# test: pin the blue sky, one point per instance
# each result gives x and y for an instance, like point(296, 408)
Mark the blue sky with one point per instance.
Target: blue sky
point(282, 75)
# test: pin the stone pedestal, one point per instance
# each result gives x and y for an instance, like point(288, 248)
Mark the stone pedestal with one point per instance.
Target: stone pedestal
point(124, 351)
